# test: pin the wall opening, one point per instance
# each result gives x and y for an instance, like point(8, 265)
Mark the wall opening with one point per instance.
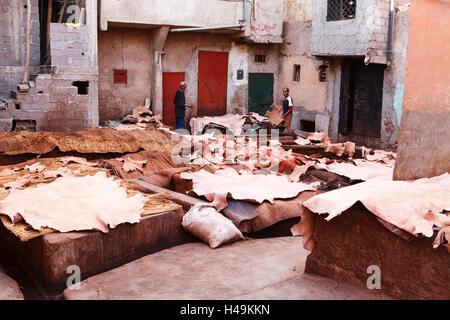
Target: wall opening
point(323, 73)
point(83, 87)
point(297, 69)
point(24, 125)
point(308, 126)
point(260, 58)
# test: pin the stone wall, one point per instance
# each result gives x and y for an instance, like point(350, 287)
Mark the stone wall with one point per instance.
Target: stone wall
point(63, 96)
point(54, 103)
point(69, 46)
point(13, 21)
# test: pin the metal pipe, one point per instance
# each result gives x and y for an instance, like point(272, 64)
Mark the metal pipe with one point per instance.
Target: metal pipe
point(208, 28)
point(244, 9)
point(391, 23)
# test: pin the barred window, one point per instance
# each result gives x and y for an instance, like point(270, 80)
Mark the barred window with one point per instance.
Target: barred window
point(341, 10)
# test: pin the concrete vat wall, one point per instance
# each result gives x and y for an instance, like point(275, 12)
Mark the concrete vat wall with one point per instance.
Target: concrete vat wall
point(424, 149)
point(123, 49)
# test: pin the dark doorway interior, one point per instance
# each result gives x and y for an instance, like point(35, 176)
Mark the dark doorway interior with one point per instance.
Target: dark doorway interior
point(308, 126)
point(361, 98)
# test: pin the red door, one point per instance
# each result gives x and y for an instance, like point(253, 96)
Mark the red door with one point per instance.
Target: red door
point(171, 83)
point(212, 83)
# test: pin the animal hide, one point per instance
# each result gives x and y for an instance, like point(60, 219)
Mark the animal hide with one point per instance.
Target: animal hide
point(243, 186)
point(413, 206)
point(74, 203)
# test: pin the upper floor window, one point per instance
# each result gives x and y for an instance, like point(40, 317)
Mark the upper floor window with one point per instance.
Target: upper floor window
point(341, 10)
point(260, 58)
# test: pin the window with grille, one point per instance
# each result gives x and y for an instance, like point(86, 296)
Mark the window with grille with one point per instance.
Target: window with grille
point(341, 10)
point(260, 58)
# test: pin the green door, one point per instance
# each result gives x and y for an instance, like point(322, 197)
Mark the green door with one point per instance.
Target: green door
point(260, 92)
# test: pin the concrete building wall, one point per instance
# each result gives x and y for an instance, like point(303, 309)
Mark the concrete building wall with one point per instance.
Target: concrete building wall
point(264, 18)
point(265, 21)
point(69, 46)
point(63, 96)
point(393, 84)
point(181, 55)
point(365, 35)
point(123, 49)
point(297, 10)
point(424, 149)
point(309, 94)
point(13, 21)
point(182, 13)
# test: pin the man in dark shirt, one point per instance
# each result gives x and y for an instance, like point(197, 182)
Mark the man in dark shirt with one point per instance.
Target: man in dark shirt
point(180, 105)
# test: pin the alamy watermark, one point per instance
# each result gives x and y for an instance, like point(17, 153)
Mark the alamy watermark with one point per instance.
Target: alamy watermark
point(73, 281)
point(374, 281)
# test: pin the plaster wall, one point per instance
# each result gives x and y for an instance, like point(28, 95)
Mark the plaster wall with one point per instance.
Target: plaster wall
point(181, 13)
point(123, 49)
point(424, 149)
point(394, 79)
point(365, 35)
point(181, 55)
point(309, 94)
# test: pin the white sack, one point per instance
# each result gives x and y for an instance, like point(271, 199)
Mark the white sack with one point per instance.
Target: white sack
point(210, 226)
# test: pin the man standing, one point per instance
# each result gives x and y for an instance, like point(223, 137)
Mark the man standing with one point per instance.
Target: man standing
point(180, 105)
point(288, 106)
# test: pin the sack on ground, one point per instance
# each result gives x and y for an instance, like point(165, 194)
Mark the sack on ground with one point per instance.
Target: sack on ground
point(210, 226)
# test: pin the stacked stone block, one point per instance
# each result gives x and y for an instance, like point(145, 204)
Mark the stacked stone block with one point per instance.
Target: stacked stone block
point(69, 46)
point(13, 17)
point(54, 104)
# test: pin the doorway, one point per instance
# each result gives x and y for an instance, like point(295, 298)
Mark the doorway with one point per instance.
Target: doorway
point(260, 92)
point(171, 84)
point(212, 83)
point(361, 98)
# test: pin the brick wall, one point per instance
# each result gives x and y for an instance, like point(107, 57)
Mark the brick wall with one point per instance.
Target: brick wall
point(379, 38)
point(69, 46)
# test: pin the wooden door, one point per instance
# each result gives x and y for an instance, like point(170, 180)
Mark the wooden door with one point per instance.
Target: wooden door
point(260, 92)
point(171, 83)
point(212, 83)
point(368, 101)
